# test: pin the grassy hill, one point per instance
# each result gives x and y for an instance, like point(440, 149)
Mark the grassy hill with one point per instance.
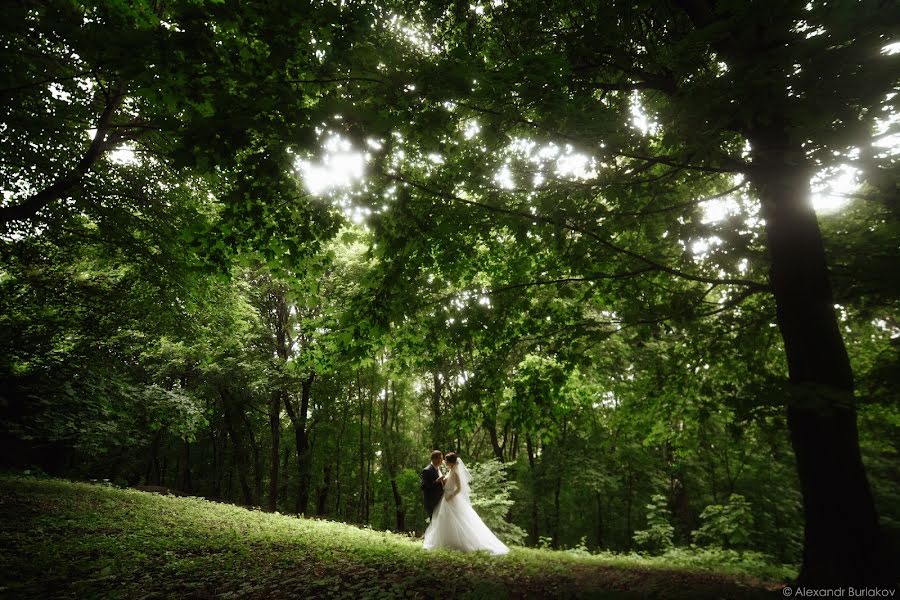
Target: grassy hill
point(62, 539)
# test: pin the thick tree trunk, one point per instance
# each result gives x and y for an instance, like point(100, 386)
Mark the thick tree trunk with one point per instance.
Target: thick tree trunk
point(842, 540)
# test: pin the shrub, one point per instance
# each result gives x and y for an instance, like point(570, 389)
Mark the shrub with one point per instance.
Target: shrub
point(659, 535)
point(727, 525)
point(491, 499)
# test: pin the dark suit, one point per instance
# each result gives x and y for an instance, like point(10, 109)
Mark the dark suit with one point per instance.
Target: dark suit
point(432, 490)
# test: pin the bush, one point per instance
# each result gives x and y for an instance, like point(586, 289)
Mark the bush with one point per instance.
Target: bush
point(727, 525)
point(491, 499)
point(659, 535)
point(719, 559)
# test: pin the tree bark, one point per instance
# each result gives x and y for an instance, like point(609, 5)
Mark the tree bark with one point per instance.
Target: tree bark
point(842, 539)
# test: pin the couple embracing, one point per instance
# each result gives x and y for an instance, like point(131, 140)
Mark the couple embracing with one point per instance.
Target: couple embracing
point(454, 523)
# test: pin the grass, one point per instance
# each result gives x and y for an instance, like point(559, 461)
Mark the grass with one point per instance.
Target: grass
point(63, 539)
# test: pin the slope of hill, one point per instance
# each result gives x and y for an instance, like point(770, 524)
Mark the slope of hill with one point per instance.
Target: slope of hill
point(63, 539)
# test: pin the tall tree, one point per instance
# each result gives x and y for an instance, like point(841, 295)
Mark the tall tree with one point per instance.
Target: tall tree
point(493, 91)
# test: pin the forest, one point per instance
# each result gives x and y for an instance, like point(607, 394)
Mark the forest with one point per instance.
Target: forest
point(638, 263)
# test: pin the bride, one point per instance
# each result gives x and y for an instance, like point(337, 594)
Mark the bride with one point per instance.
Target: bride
point(455, 525)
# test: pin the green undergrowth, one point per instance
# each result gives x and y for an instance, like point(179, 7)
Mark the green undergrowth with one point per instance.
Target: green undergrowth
point(63, 539)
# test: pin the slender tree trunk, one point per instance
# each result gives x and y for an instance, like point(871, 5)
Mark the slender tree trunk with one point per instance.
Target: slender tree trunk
point(629, 531)
point(282, 492)
point(163, 469)
point(303, 458)
point(678, 494)
point(599, 519)
point(281, 326)
point(153, 474)
point(184, 475)
point(217, 462)
point(337, 460)
point(556, 516)
point(257, 466)
point(437, 423)
point(370, 500)
point(240, 453)
point(534, 533)
point(490, 424)
point(301, 437)
point(116, 465)
point(398, 505)
point(322, 497)
point(842, 540)
point(388, 424)
point(229, 483)
point(275, 433)
point(362, 452)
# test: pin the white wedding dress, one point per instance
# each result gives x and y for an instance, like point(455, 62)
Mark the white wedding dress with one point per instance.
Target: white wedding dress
point(455, 525)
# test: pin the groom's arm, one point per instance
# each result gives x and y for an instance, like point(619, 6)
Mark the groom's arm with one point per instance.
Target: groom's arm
point(425, 480)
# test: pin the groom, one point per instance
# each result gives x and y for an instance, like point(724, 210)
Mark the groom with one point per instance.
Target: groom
point(432, 482)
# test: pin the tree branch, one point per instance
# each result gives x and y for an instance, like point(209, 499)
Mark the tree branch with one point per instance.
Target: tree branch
point(643, 213)
point(58, 188)
point(755, 285)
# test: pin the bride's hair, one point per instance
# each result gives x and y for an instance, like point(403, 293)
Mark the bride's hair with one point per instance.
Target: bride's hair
point(450, 457)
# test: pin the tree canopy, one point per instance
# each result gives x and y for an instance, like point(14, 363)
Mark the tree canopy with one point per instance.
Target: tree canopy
point(275, 253)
